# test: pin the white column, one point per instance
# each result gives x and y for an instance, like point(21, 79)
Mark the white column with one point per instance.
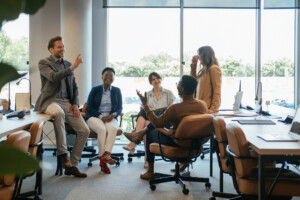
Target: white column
point(297, 58)
point(76, 30)
point(44, 25)
point(99, 36)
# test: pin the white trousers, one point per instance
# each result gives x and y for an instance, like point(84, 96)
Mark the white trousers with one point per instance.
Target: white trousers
point(107, 132)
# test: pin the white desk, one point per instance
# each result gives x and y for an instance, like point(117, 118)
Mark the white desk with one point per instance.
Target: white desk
point(8, 126)
point(269, 151)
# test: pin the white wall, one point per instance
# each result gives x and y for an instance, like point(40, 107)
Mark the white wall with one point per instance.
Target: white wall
point(82, 23)
point(42, 26)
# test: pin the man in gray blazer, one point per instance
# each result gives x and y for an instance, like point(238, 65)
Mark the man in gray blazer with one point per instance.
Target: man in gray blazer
point(59, 98)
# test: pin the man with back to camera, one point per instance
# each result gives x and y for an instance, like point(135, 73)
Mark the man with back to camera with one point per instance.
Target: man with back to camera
point(171, 116)
point(59, 98)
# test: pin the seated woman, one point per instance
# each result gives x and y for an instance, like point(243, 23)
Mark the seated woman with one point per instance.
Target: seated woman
point(158, 99)
point(103, 107)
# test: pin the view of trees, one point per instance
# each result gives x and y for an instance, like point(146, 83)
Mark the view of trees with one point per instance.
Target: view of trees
point(15, 52)
point(168, 66)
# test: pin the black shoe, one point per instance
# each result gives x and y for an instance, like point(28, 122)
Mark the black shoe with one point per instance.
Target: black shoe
point(75, 172)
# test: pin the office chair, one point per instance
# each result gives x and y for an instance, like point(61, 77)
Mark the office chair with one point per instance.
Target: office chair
point(190, 135)
point(92, 151)
point(35, 150)
point(8, 183)
point(138, 153)
point(244, 173)
point(220, 142)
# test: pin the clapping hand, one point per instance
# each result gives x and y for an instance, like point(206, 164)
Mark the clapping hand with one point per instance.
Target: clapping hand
point(142, 98)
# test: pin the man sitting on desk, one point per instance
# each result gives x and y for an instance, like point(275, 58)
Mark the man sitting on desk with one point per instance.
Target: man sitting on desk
point(59, 98)
point(172, 115)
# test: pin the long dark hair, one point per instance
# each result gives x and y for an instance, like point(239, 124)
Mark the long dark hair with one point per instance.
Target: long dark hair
point(208, 59)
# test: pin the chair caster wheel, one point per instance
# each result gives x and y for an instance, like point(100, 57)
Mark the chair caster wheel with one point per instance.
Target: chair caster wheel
point(207, 186)
point(202, 157)
point(185, 191)
point(117, 163)
point(152, 187)
point(122, 158)
point(90, 164)
point(130, 160)
point(212, 198)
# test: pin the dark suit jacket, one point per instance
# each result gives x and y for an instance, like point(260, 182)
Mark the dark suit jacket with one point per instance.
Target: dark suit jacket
point(51, 83)
point(94, 101)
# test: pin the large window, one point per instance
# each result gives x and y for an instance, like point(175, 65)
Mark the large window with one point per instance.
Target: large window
point(231, 33)
point(277, 55)
point(142, 41)
point(14, 49)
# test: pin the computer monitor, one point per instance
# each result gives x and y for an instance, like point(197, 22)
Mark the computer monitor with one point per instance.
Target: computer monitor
point(295, 127)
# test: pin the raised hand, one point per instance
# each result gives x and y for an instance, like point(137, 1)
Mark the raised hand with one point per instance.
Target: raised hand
point(142, 98)
point(194, 61)
point(77, 62)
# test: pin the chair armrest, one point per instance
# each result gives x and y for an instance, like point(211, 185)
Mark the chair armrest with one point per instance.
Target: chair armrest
point(133, 115)
point(165, 131)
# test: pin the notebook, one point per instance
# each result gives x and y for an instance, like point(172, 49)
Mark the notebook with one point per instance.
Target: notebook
point(293, 134)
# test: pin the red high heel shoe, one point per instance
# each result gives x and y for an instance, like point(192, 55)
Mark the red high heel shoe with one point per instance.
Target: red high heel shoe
point(104, 168)
point(107, 159)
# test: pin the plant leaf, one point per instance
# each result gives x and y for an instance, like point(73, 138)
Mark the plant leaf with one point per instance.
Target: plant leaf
point(10, 9)
point(32, 6)
point(16, 162)
point(8, 73)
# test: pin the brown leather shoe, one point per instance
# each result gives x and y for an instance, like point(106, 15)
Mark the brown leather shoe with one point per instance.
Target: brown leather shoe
point(148, 175)
point(65, 160)
point(136, 137)
point(75, 172)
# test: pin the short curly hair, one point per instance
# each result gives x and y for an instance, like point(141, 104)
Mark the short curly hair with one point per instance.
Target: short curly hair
point(53, 40)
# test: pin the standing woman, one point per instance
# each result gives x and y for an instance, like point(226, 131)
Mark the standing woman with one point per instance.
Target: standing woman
point(209, 78)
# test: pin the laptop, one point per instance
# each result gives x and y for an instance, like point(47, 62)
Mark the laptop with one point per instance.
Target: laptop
point(237, 101)
point(293, 134)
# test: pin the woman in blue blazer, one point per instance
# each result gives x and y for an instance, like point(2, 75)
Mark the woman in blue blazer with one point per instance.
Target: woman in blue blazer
point(104, 105)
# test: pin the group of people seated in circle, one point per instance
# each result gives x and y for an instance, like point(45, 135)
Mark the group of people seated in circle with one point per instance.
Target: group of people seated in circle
point(200, 93)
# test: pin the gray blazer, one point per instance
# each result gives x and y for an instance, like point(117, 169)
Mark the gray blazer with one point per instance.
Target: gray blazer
point(51, 83)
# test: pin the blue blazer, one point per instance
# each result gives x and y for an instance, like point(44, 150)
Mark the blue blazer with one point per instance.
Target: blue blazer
point(94, 101)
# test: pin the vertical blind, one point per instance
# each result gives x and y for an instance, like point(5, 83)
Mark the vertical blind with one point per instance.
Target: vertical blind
point(215, 4)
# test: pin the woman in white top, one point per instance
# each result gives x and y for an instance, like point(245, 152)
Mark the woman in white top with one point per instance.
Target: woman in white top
point(158, 98)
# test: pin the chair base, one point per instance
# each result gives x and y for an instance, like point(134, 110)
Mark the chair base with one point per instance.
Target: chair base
point(117, 156)
point(138, 154)
point(178, 178)
point(92, 157)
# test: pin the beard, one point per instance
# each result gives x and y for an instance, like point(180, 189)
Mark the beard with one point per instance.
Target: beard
point(58, 55)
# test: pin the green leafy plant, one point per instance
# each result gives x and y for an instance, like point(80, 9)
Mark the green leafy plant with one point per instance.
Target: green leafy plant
point(14, 161)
